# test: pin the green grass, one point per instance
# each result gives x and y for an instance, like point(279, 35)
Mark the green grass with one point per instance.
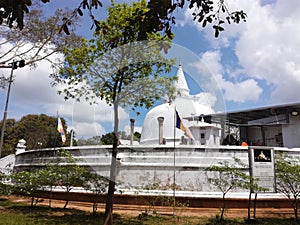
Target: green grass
point(22, 214)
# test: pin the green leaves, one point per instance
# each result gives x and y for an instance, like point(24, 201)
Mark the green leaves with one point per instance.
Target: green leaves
point(217, 29)
point(63, 173)
point(84, 5)
point(115, 66)
point(205, 12)
point(27, 182)
point(5, 189)
point(288, 178)
point(157, 17)
point(228, 176)
point(38, 131)
point(13, 11)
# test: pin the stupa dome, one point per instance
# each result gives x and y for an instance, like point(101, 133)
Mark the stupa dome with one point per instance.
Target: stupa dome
point(185, 104)
point(151, 129)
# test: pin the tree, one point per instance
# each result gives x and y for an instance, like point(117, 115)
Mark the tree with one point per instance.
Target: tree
point(39, 40)
point(27, 183)
point(227, 177)
point(107, 139)
point(47, 179)
point(118, 69)
point(67, 174)
point(5, 188)
point(64, 173)
point(136, 136)
point(95, 140)
point(97, 185)
point(158, 17)
point(288, 179)
point(39, 131)
point(10, 137)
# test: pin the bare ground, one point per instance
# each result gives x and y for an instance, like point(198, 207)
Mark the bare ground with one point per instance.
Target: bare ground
point(135, 210)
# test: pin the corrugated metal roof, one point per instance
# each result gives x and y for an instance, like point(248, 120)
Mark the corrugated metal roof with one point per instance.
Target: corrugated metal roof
point(243, 116)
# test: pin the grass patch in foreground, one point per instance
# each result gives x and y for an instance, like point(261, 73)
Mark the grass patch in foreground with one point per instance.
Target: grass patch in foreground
point(20, 214)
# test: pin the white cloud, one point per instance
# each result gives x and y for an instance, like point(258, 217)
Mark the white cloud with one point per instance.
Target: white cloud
point(34, 85)
point(90, 120)
point(206, 98)
point(212, 59)
point(31, 93)
point(247, 90)
point(267, 48)
point(233, 90)
point(84, 130)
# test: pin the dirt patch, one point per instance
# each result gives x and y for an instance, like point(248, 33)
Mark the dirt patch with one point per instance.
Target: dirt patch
point(135, 210)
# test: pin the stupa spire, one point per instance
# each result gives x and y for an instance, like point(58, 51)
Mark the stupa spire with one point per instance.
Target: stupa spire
point(181, 84)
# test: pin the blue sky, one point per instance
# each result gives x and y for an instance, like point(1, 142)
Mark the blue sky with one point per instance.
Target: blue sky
point(252, 64)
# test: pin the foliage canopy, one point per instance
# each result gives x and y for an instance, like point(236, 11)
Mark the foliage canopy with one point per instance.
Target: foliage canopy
point(159, 16)
point(114, 66)
point(37, 130)
point(118, 68)
point(288, 179)
point(228, 176)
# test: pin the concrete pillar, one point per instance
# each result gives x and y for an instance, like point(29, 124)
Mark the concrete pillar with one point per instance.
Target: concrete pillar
point(131, 130)
point(222, 129)
point(160, 130)
point(263, 135)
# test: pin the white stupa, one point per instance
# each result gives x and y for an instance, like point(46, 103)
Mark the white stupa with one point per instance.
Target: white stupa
point(190, 109)
point(189, 105)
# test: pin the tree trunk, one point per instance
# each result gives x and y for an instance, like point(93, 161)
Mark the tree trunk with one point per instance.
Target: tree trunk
point(111, 190)
point(255, 201)
point(249, 206)
point(67, 201)
point(108, 218)
point(254, 205)
point(95, 207)
point(32, 201)
point(223, 208)
point(36, 202)
point(50, 197)
point(66, 204)
point(296, 212)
